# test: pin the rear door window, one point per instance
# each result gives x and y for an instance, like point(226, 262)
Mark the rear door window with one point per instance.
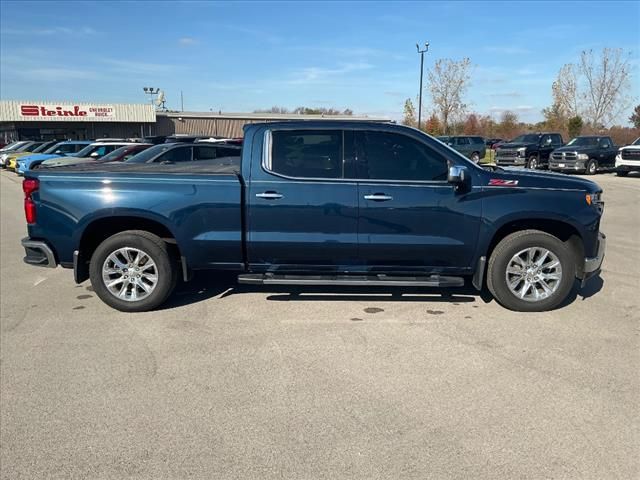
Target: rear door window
point(175, 155)
point(307, 153)
point(204, 153)
point(393, 156)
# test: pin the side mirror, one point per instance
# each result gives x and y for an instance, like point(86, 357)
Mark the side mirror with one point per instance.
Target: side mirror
point(457, 175)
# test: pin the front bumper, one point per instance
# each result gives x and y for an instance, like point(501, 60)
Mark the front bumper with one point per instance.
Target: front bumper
point(567, 166)
point(627, 165)
point(510, 161)
point(38, 253)
point(592, 265)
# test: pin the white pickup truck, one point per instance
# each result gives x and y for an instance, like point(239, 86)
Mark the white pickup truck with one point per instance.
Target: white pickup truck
point(628, 159)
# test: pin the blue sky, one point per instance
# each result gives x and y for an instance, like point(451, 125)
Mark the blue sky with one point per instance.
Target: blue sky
point(246, 55)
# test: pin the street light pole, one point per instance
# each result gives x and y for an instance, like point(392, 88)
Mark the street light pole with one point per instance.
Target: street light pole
point(421, 52)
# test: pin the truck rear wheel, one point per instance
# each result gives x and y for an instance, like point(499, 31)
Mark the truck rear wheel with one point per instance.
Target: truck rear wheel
point(531, 271)
point(622, 173)
point(132, 271)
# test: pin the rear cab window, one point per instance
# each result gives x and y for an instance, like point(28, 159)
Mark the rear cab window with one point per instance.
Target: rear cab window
point(307, 153)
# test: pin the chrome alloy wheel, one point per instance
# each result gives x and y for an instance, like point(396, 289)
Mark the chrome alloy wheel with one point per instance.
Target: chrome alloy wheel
point(533, 274)
point(129, 274)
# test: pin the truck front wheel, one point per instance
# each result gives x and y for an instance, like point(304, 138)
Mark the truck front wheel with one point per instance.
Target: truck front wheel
point(531, 271)
point(132, 271)
point(533, 162)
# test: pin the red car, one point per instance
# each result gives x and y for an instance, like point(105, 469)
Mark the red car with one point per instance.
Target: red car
point(124, 153)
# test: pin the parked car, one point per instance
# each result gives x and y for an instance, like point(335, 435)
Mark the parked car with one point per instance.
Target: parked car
point(68, 147)
point(472, 147)
point(12, 159)
point(318, 203)
point(585, 154)
point(492, 142)
point(530, 150)
point(15, 148)
point(628, 159)
point(184, 138)
point(93, 151)
point(120, 154)
point(185, 152)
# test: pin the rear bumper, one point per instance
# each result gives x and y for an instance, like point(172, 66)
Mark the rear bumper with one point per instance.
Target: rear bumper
point(592, 265)
point(38, 253)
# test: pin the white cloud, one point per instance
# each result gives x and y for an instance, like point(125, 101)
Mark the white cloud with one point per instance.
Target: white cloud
point(187, 41)
point(137, 67)
point(321, 74)
point(50, 31)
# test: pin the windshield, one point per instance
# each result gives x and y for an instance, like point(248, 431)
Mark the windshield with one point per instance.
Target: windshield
point(583, 141)
point(86, 151)
point(41, 148)
point(25, 147)
point(637, 142)
point(118, 153)
point(150, 153)
point(12, 146)
point(528, 138)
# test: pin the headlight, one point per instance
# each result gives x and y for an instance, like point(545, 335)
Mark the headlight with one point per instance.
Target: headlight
point(593, 198)
point(521, 151)
point(583, 156)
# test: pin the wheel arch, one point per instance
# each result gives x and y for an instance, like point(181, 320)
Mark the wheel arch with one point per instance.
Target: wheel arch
point(98, 229)
point(560, 229)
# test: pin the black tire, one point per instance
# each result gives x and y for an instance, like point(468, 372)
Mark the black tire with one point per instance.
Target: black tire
point(155, 248)
point(591, 168)
point(622, 173)
point(504, 252)
point(533, 163)
point(475, 157)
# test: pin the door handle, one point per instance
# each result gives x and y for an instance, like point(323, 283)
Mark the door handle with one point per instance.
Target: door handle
point(269, 195)
point(378, 197)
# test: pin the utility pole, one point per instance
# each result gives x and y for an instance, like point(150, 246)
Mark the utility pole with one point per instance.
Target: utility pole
point(421, 52)
point(181, 102)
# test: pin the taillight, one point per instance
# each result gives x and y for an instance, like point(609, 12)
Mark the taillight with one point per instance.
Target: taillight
point(30, 185)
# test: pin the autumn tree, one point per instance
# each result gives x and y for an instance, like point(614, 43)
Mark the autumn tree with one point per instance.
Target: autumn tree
point(635, 117)
point(508, 125)
point(409, 114)
point(448, 82)
point(471, 125)
point(433, 126)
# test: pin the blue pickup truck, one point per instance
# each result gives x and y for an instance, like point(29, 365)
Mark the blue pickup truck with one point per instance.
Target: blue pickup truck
point(318, 203)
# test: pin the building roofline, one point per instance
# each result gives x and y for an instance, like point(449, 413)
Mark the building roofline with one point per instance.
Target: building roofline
point(269, 116)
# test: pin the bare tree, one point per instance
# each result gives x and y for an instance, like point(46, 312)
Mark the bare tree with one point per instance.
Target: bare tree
point(608, 82)
point(596, 89)
point(565, 91)
point(448, 82)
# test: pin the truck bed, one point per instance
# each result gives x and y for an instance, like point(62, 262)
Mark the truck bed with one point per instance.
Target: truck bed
point(225, 165)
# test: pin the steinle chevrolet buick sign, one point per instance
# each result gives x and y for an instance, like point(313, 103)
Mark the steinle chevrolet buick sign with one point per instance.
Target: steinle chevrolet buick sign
point(52, 110)
point(73, 111)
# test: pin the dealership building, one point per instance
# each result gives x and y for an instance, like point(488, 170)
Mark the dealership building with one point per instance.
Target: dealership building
point(47, 120)
point(43, 120)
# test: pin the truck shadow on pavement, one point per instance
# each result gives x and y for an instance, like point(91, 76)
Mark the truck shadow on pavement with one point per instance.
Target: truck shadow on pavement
point(207, 285)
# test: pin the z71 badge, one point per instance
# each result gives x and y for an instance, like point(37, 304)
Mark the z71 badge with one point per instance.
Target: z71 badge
point(498, 182)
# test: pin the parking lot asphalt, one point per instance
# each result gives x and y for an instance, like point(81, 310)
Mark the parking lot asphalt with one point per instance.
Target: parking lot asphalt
point(256, 383)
